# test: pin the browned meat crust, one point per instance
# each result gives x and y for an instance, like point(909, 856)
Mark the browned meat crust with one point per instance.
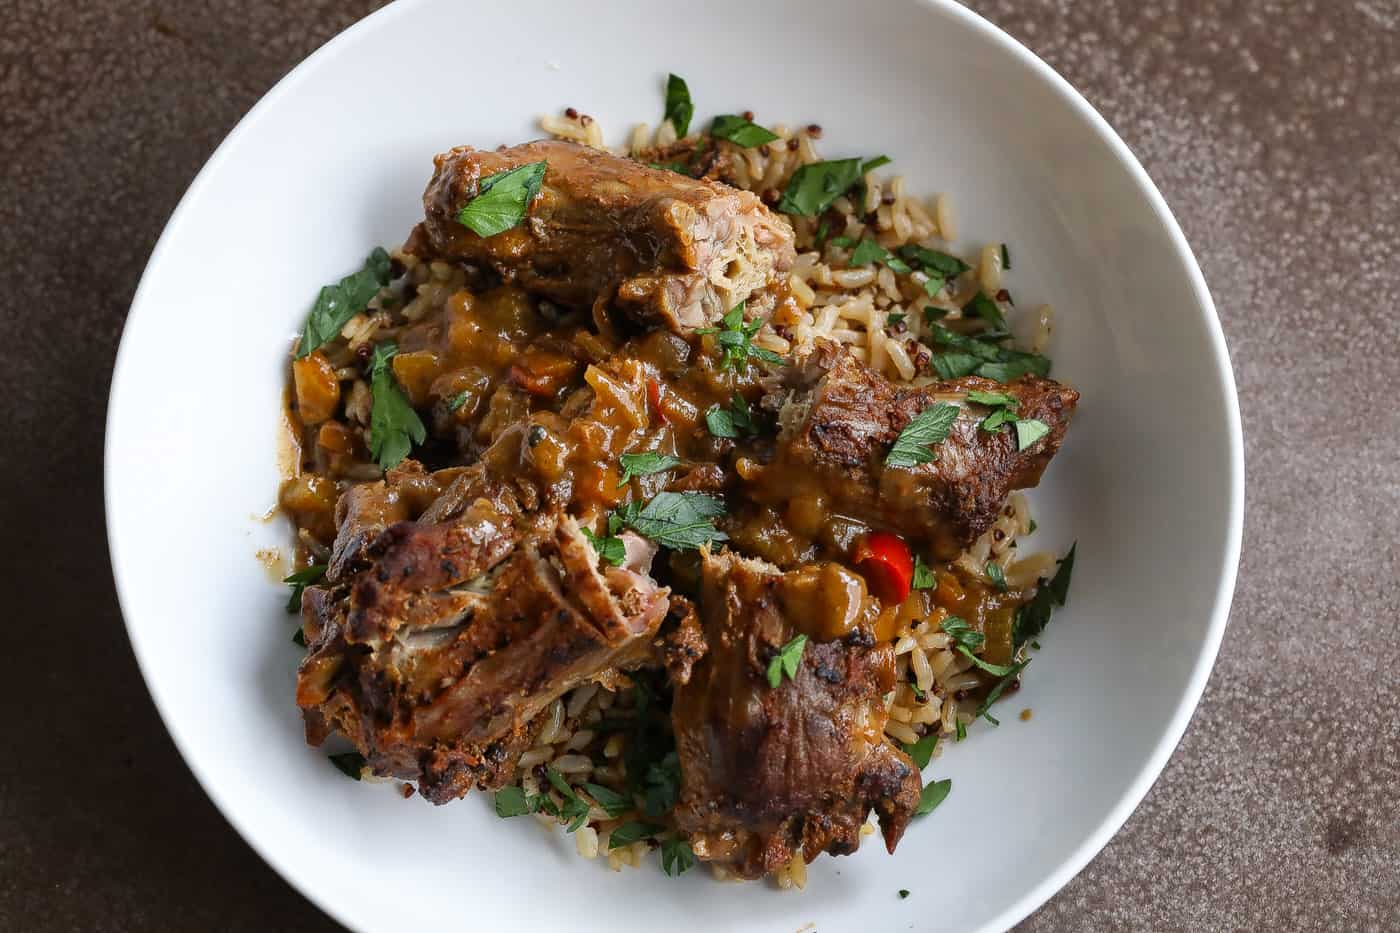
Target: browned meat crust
point(667, 249)
point(768, 771)
point(840, 419)
point(436, 656)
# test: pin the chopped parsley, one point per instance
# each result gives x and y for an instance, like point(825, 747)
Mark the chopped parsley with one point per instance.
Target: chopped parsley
point(610, 800)
point(842, 241)
point(337, 304)
point(662, 784)
point(609, 548)
point(678, 520)
point(921, 752)
point(924, 577)
point(676, 856)
point(933, 795)
point(574, 809)
point(814, 187)
point(679, 108)
point(630, 832)
point(961, 730)
point(1028, 431)
point(929, 427)
point(503, 199)
point(895, 317)
point(786, 661)
point(870, 165)
point(735, 339)
point(455, 403)
point(350, 764)
point(512, 801)
point(981, 355)
point(823, 229)
point(1030, 620)
point(985, 308)
point(733, 421)
point(1014, 671)
point(394, 427)
point(997, 419)
point(931, 261)
point(903, 893)
point(680, 168)
point(644, 464)
point(299, 638)
point(868, 251)
point(994, 399)
point(962, 633)
point(299, 581)
point(996, 575)
point(1005, 257)
point(741, 132)
point(996, 670)
point(1033, 527)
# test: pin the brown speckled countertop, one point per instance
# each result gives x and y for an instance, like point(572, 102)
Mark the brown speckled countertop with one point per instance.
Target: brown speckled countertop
point(1273, 129)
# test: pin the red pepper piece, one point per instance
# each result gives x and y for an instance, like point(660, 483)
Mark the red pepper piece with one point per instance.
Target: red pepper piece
point(888, 567)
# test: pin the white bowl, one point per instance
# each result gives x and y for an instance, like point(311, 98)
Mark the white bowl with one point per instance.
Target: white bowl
point(334, 160)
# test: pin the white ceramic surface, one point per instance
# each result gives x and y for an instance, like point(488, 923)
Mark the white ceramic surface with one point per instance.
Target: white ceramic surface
point(333, 161)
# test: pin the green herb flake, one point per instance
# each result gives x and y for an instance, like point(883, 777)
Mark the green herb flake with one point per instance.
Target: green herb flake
point(394, 427)
point(735, 339)
point(299, 581)
point(679, 108)
point(955, 365)
point(503, 199)
point(1059, 583)
point(337, 304)
point(609, 548)
point(842, 241)
point(996, 575)
point(299, 638)
point(678, 520)
point(993, 399)
point(931, 261)
point(786, 661)
point(894, 318)
point(814, 187)
point(1030, 430)
point(1035, 645)
point(512, 801)
point(610, 800)
point(1013, 365)
point(994, 694)
point(868, 251)
point(630, 832)
point(1005, 257)
point(996, 670)
point(933, 795)
point(823, 229)
point(574, 809)
point(1033, 527)
point(350, 764)
point(870, 165)
point(961, 632)
point(961, 731)
point(985, 308)
point(740, 132)
point(676, 856)
point(921, 752)
point(734, 421)
point(455, 403)
point(924, 577)
point(929, 427)
point(998, 419)
point(903, 893)
point(644, 464)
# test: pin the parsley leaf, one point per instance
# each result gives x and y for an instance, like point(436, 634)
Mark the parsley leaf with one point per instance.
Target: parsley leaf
point(1005, 257)
point(394, 427)
point(574, 809)
point(992, 398)
point(676, 856)
point(299, 581)
point(610, 800)
point(337, 304)
point(1030, 430)
point(842, 241)
point(929, 427)
point(786, 661)
point(350, 764)
point(299, 638)
point(962, 731)
point(870, 165)
point(993, 422)
point(679, 108)
point(932, 261)
point(924, 577)
point(895, 317)
point(962, 633)
point(455, 403)
point(741, 132)
point(663, 785)
point(678, 520)
point(985, 308)
point(1014, 366)
point(609, 548)
point(1059, 583)
point(503, 199)
point(512, 801)
point(735, 339)
point(955, 365)
point(644, 464)
point(995, 574)
point(733, 421)
point(903, 893)
point(814, 187)
point(995, 693)
point(933, 795)
point(868, 251)
point(996, 670)
point(630, 832)
point(1030, 620)
point(921, 751)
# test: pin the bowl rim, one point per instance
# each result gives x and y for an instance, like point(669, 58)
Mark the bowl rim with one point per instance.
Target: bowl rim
point(1150, 768)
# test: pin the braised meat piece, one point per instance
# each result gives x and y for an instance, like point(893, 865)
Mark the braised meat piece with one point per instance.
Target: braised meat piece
point(768, 771)
point(839, 419)
point(435, 657)
point(668, 250)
